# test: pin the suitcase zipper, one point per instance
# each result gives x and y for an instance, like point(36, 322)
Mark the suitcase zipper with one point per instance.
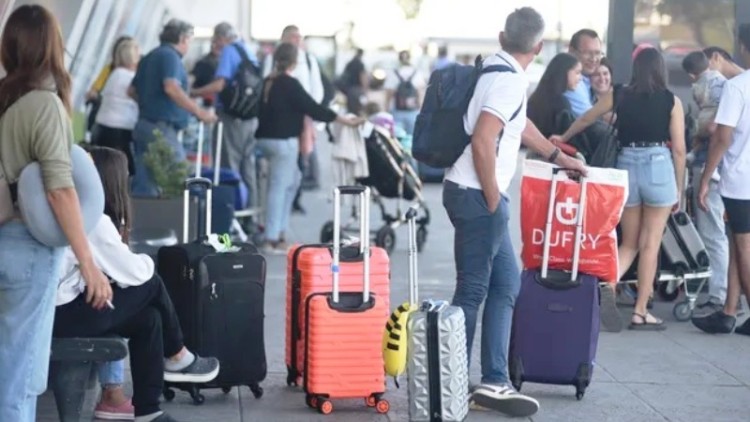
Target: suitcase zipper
point(433, 367)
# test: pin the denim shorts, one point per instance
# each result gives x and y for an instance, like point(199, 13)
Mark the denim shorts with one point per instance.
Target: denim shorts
point(650, 176)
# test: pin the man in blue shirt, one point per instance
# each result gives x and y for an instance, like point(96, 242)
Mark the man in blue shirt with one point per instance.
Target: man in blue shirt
point(238, 146)
point(587, 47)
point(160, 89)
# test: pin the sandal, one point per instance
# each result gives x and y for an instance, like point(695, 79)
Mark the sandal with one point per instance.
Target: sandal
point(645, 325)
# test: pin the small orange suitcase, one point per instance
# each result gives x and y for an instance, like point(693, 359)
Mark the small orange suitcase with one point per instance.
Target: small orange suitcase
point(309, 271)
point(343, 340)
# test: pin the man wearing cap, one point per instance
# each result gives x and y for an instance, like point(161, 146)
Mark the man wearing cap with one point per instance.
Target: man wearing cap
point(160, 88)
point(238, 147)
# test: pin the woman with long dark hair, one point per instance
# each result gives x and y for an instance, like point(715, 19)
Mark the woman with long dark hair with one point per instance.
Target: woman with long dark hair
point(548, 103)
point(648, 116)
point(35, 125)
point(284, 105)
point(142, 310)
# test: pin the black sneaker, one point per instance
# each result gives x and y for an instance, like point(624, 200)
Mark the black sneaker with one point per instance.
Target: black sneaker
point(200, 371)
point(744, 329)
point(715, 323)
point(707, 308)
point(503, 399)
point(610, 316)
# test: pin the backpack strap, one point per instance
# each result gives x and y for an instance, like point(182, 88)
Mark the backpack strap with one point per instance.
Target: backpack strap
point(398, 75)
point(500, 68)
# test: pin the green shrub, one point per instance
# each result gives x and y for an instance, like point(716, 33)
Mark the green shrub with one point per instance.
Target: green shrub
point(168, 174)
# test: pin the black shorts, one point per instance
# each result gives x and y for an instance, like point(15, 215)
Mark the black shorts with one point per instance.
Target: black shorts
point(738, 214)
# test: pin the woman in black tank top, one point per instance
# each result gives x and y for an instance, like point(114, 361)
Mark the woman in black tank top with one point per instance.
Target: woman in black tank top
point(648, 117)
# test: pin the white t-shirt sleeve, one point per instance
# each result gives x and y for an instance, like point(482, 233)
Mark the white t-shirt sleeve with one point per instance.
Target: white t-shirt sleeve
point(731, 106)
point(504, 97)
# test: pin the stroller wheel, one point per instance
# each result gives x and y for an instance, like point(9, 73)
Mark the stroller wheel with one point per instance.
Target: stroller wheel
point(326, 233)
point(421, 238)
point(682, 311)
point(386, 239)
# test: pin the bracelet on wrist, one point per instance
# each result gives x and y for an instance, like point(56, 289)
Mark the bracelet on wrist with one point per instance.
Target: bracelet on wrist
point(554, 155)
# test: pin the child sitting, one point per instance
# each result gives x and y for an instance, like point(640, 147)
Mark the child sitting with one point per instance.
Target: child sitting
point(141, 308)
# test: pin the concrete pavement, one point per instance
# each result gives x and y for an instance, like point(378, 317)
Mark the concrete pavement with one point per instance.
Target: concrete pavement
point(677, 375)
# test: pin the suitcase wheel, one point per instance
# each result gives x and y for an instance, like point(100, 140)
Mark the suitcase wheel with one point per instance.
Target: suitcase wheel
point(325, 406)
point(257, 390)
point(197, 397)
point(579, 395)
point(371, 401)
point(291, 378)
point(168, 394)
point(383, 406)
point(311, 401)
point(226, 390)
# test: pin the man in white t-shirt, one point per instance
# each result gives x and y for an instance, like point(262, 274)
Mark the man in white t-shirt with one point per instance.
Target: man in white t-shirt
point(404, 87)
point(475, 197)
point(731, 148)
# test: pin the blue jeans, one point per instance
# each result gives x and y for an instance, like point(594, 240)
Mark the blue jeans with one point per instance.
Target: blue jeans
point(406, 119)
point(712, 229)
point(283, 180)
point(112, 373)
point(29, 274)
point(650, 176)
point(486, 271)
point(143, 136)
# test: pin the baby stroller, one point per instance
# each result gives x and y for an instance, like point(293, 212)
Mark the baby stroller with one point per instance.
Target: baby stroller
point(391, 176)
point(683, 262)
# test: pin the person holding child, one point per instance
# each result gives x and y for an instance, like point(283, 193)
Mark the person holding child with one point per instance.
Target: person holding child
point(707, 87)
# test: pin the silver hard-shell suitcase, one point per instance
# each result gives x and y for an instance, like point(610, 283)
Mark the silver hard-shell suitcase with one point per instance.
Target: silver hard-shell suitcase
point(437, 360)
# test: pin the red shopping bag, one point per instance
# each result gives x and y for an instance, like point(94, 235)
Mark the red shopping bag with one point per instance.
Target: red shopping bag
point(607, 190)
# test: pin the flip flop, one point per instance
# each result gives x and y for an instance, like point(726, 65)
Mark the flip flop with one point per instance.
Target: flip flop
point(645, 325)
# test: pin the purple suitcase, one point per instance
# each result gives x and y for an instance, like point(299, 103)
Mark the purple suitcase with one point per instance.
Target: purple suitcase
point(556, 319)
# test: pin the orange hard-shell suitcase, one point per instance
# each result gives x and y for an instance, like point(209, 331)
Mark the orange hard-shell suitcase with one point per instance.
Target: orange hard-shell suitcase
point(343, 356)
point(309, 271)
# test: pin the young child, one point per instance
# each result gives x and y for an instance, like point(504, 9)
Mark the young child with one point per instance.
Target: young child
point(707, 87)
point(141, 308)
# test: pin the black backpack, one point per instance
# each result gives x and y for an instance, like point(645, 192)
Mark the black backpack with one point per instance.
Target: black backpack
point(241, 96)
point(406, 97)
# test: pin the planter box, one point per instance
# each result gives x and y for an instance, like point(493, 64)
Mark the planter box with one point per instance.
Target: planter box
point(161, 213)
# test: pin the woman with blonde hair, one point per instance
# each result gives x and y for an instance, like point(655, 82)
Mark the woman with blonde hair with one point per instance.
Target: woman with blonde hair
point(118, 112)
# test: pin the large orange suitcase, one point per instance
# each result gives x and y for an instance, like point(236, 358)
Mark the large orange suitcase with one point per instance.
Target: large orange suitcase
point(309, 271)
point(343, 350)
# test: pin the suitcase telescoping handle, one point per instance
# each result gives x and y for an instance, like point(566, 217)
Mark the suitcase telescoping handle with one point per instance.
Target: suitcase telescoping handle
point(204, 207)
point(548, 229)
point(364, 236)
point(411, 218)
point(217, 151)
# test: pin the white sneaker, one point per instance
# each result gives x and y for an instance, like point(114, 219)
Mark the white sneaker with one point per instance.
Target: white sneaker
point(503, 399)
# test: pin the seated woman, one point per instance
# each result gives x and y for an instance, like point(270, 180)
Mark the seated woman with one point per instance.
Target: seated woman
point(141, 309)
point(551, 112)
point(601, 86)
point(548, 108)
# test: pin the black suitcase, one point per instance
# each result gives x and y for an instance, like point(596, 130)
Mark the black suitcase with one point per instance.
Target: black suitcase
point(682, 245)
point(218, 298)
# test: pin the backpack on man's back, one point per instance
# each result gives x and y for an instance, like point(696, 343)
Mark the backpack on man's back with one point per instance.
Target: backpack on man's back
point(241, 95)
point(406, 97)
point(439, 134)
